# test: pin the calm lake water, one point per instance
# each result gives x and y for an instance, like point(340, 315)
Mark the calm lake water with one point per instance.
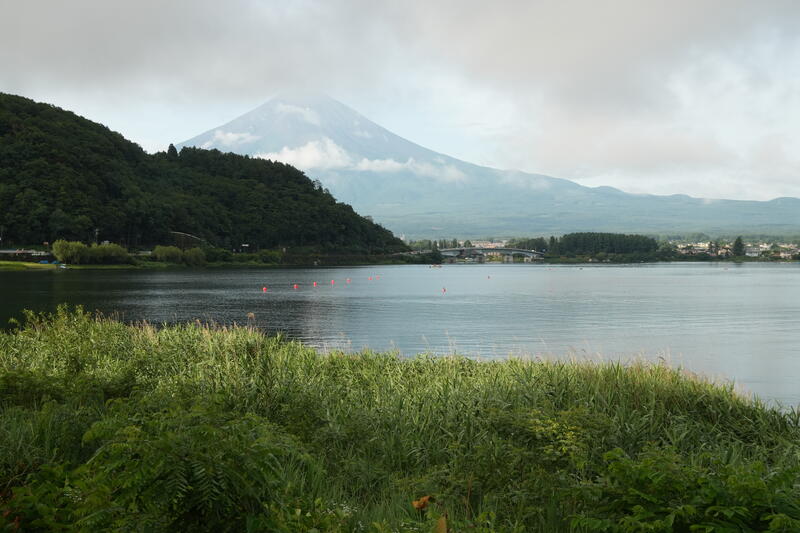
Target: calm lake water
point(727, 321)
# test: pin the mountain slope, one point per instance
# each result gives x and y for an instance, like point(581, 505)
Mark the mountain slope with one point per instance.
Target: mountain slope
point(419, 192)
point(62, 176)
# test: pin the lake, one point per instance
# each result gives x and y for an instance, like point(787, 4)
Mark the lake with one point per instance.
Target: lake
point(728, 321)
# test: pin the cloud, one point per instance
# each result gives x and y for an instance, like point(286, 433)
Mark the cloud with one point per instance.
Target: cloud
point(229, 139)
point(437, 170)
point(323, 154)
point(525, 181)
point(380, 165)
point(673, 96)
point(327, 155)
point(307, 114)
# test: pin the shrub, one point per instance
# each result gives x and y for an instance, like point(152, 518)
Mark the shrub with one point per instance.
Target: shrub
point(70, 251)
point(659, 490)
point(194, 257)
point(168, 254)
point(269, 256)
point(218, 255)
point(98, 254)
point(174, 469)
point(108, 254)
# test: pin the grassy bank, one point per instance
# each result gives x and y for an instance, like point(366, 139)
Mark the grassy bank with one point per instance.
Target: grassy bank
point(106, 426)
point(24, 265)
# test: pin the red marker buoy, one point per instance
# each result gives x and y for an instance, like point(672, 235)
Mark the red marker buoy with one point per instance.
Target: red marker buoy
point(370, 278)
point(444, 290)
point(332, 282)
point(263, 289)
point(315, 283)
point(348, 280)
point(294, 286)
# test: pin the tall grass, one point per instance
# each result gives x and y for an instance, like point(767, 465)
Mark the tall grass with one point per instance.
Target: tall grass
point(109, 426)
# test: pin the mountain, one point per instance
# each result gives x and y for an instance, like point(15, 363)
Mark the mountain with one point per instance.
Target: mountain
point(63, 176)
point(422, 193)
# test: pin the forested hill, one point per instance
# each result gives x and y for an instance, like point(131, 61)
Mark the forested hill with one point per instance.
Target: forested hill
point(63, 176)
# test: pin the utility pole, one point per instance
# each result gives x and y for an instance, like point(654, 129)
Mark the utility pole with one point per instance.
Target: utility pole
point(96, 233)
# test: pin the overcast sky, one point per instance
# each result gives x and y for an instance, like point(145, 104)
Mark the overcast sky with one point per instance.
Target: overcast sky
point(681, 96)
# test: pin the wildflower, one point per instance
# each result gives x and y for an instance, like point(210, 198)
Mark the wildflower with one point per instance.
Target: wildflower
point(422, 503)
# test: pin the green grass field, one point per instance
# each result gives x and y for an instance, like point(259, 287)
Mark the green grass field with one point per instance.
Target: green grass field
point(106, 426)
point(24, 265)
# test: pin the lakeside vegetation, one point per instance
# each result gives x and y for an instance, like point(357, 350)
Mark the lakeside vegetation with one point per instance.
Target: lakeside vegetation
point(588, 247)
point(113, 256)
point(193, 428)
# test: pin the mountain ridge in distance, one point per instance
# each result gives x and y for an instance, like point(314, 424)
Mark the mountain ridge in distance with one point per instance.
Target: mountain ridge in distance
point(422, 193)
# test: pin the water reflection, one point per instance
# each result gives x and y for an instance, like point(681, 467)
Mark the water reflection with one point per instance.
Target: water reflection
point(732, 321)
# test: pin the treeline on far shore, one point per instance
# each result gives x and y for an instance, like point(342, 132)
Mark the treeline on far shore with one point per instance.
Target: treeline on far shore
point(78, 253)
point(621, 248)
point(615, 247)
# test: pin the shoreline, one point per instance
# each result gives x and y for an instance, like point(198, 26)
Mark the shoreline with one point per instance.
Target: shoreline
point(12, 266)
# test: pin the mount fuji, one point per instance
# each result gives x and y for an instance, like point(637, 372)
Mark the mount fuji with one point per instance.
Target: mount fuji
point(421, 193)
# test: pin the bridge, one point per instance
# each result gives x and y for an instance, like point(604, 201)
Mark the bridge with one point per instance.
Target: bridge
point(480, 253)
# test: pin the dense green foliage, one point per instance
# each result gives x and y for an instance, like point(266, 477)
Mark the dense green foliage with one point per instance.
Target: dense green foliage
point(589, 244)
point(611, 246)
point(172, 254)
point(77, 253)
point(610, 243)
point(65, 177)
point(105, 426)
point(168, 254)
point(540, 244)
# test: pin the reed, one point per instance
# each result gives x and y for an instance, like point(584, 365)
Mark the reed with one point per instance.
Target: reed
point(193, 427)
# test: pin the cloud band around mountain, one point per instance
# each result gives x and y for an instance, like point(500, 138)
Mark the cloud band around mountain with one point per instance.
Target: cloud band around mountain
point(325, 154)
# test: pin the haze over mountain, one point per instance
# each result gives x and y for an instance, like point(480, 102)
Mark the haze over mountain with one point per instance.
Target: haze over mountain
point(422, 193)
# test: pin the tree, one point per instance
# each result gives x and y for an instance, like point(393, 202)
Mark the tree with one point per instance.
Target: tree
point(168, 254)
point(553, 246)
point(738, 247)
point(70, 251)
point(194, 257)
point(467, 244)
point(172, 153)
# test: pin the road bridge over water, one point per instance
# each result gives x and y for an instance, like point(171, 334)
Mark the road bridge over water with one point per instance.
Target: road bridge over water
point(480, 253)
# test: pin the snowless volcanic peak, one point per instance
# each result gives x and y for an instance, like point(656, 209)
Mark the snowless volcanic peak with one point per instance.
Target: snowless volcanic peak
point(422, 193)
point(313, 131)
